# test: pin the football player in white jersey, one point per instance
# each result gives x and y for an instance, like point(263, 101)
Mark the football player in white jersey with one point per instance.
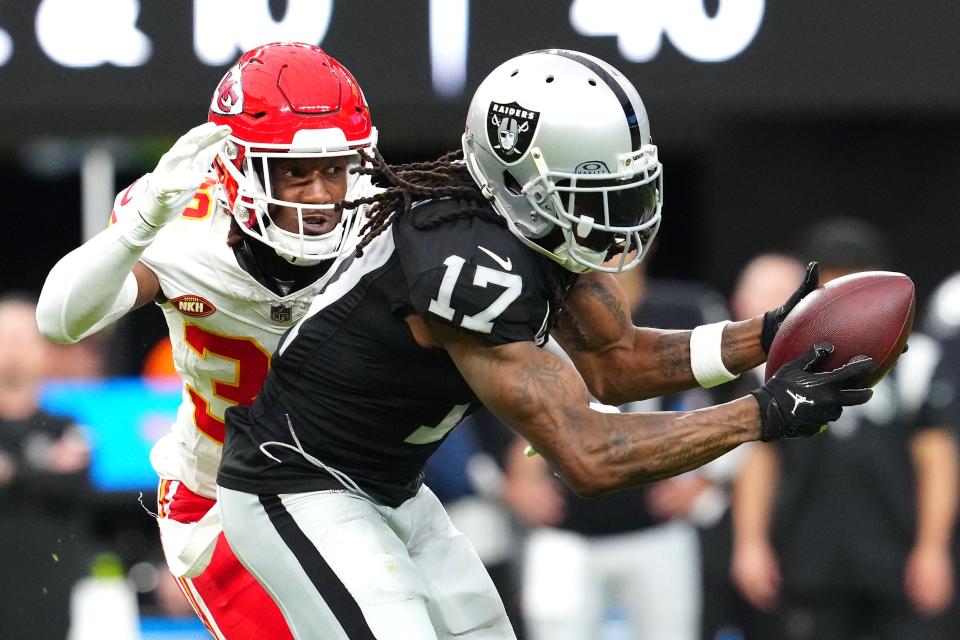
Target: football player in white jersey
point(231, 235)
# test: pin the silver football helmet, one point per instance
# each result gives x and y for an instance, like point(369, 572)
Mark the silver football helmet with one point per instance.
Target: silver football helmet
point(559, 142)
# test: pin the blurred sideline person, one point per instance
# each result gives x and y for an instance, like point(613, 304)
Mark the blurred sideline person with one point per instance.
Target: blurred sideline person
point(942, 317)
point(44, 490)
point(943, 408)
point(761, 283)
point(849, 533)
point(633, 550)
point(231, 236)
point(463, 269)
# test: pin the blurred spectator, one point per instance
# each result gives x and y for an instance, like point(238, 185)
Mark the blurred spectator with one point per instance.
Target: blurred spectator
point(847, 535)
point(943, 408)
point(83, 360)
point(633, 551)
point(942, 318)
point(44, 493)
point(763, 283)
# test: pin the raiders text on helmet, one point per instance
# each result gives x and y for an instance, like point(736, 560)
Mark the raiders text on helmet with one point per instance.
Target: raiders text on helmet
point(283, 100)
point(560, 143)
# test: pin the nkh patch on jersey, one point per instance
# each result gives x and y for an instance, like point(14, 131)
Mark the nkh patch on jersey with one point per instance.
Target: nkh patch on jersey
point(510, 130)
point(193, 305)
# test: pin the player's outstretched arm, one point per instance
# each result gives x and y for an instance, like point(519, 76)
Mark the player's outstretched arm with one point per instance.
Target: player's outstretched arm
point(623, 363)
point(544, 399)
point(102, 280)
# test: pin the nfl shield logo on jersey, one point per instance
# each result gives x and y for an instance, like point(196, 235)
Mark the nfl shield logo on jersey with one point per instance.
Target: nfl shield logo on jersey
point(510, 130)
point(281, 313)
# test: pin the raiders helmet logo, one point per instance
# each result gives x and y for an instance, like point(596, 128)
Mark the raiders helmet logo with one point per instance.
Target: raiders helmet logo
point(510, 130)
point(228, 98)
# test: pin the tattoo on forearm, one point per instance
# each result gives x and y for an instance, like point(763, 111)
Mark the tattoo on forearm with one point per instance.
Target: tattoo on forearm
point(621, 447)
point(732, 353)
point(673, 354)
point(670, 456)
point(644, 455)
point(538, 379)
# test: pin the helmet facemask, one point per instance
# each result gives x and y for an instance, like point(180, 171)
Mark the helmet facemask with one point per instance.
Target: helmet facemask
point(248, 173)
point(600, 214)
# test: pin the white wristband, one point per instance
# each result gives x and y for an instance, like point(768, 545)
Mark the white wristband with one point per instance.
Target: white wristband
point(706, 359)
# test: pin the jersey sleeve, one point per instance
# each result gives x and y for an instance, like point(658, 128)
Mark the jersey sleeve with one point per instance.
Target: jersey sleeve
point(124, 207)
point(476, 276)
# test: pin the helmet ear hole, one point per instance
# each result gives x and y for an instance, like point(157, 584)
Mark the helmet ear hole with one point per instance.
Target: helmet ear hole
point(511, 184)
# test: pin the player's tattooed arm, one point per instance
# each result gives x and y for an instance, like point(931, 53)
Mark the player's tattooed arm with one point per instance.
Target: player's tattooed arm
point(543, 398)
point(623, 363)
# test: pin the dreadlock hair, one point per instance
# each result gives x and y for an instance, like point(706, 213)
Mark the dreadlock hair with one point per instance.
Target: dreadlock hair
point(405, 184)
point(445, 177)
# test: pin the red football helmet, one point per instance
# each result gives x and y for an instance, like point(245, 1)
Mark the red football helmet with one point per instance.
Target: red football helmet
point(280, 100)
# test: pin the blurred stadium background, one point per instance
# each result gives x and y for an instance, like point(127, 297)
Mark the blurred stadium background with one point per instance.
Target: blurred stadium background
point(769, 116)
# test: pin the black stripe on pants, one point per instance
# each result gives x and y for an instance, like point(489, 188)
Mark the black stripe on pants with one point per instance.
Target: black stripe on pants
point(331, 589)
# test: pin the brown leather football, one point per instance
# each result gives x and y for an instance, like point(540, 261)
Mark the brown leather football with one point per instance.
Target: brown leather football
point(868, 313)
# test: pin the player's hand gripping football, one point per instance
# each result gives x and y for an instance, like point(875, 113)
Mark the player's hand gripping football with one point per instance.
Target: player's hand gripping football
point(798, 402)
point(773, 319)
point(172, 185)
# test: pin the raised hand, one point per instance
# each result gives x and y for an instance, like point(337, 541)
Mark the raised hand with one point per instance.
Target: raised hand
point(179, 173)
point(773, 319)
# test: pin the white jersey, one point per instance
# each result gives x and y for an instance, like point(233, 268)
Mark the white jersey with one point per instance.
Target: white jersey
point(224, 326)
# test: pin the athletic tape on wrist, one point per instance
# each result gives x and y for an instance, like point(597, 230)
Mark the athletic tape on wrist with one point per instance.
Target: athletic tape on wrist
point(706, 355)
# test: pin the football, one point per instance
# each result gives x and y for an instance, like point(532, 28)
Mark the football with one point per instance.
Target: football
point(868, 313)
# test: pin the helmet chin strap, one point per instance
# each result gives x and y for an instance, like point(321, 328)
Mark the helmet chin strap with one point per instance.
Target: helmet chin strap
point(567, 259)
point(288, 245)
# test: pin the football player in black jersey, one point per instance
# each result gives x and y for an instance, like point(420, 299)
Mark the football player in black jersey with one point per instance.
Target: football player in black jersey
point(466, 267)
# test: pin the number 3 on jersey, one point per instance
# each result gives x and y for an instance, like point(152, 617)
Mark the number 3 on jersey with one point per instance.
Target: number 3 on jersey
point(250, 369)
point(483, 321)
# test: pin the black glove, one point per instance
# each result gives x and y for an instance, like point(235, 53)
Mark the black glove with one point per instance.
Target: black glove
point(797, 402)
point(773, 319)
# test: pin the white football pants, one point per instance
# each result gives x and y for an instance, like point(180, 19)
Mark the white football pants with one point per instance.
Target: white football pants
point(343, 568)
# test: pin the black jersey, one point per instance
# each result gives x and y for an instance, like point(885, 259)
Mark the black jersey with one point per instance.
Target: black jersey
point(351, 391)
